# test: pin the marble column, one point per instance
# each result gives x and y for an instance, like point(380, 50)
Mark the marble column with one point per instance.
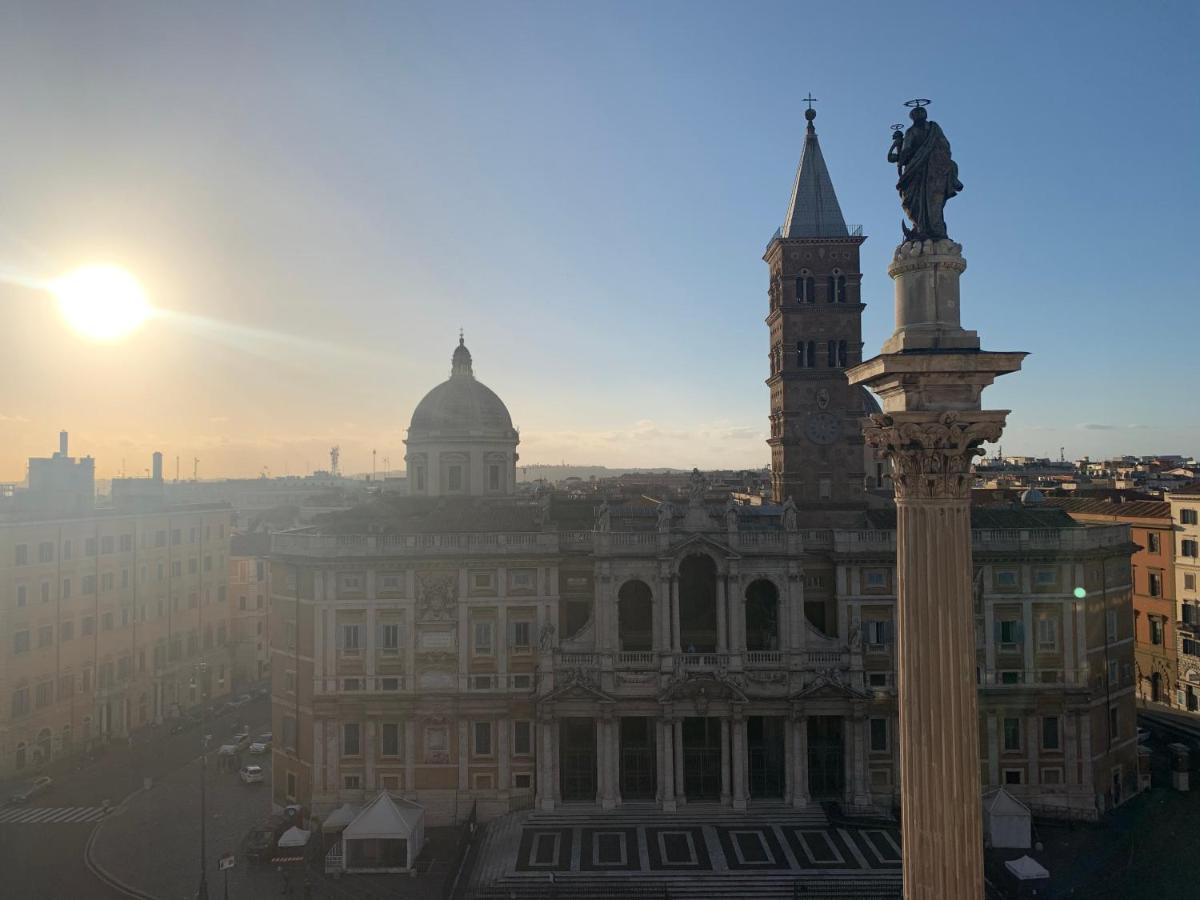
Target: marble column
point(800, 762)
point(677, 764)
point(666, 769)
point(930, 380)
point(740, 797)
point(722, 616)
point(726, 794)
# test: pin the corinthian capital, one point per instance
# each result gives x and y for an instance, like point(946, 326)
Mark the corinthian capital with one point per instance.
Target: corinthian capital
point(932, 453)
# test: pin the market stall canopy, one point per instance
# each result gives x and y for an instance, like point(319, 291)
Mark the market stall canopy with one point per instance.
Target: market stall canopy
point(384, 817)
point(340, 818)
point(1027, 868)
point(1007, 821)
point(294, 837)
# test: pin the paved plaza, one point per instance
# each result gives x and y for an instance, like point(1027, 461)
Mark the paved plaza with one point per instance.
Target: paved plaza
point(702, 853)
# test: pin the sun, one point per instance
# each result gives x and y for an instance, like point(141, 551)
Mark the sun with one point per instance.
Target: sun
point(101, 303)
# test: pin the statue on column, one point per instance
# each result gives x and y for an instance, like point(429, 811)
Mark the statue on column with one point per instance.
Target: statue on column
point(928, 176)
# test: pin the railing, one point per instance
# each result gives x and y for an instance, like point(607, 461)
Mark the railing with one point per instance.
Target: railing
point(1082, 538)
point(867, 541)
point(360, 684)
point(764, 658)
point(575, 660)
point(824, 658)
point(817, 538)
point(704, 662)
point(637, 659)
point(335, 859)
point(761, 538)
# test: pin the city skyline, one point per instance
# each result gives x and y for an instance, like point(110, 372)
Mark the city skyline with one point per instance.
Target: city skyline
point(593, 216)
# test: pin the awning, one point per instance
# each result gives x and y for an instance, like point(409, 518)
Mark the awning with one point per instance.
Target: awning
point(294, 837)
point(1026, 868)
point(339, 818)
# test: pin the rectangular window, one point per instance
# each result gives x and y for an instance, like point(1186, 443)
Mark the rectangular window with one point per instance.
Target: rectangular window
point(45, 592)
point(291, 785)
point(350, 739)
point(521, 635)
point(1114, 723)
point(390, 782)
point(875, 579)
point(1156, 630)
point(454, 478)
point(1155, 584)
point(1152, 541)
point(1114, 672)
point(482, 581)
point(66, 631)
point(1050, 733)
point(22, 595)
point(522, 579)
point(1010, 632)
point(389, 638)
point(45, 552)
point(21, 555)
point(1012, 733)
point(483, 638)
point(483, 738)
point(493, 478)
point(106, 544)
point(878, 633)
point(391, 739)
point(45, 635)
point(351, 582)
point(879, 735)
point(350, 638)
point(1110, 624)
point(1047, 630)
point(20, 642)
point(352, 782)
point(1045, 576)
point(88, 626)
point(1014, 776)
point(20, 702)
point(1188, 517)
point(43, 694)
point(1189, 547)
point(522, 738)
point(1189, 582)
point(89, 584)
point(1006, 578)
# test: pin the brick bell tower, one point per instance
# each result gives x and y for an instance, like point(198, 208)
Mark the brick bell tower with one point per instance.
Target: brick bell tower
point(815, 322)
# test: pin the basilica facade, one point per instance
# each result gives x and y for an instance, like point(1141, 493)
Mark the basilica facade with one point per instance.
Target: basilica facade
point(468, 647)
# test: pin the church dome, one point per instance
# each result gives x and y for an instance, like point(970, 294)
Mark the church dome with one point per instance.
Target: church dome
point(461, 405)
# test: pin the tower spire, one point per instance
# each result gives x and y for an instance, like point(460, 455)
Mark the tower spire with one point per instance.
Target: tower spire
point(814, 209)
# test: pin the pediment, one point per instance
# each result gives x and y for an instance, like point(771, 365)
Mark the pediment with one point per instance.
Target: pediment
point(702, 687)
point(576, 686)
point(704, 542)
point(830, 686)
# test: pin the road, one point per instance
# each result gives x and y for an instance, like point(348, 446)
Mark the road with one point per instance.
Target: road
point(45, 859)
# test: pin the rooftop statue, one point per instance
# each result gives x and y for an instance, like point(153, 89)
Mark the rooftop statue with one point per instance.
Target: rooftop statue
point(928, 176)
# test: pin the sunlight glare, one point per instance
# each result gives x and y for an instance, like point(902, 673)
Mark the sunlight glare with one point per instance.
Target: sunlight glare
point(101, 303)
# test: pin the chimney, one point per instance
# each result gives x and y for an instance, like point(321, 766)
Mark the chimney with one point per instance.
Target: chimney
point(157, 467)
point(62, 443)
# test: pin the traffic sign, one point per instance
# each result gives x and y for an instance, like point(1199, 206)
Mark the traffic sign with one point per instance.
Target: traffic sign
point(226, 862)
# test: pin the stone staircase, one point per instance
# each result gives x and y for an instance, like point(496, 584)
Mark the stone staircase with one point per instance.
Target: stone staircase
point(496, 876)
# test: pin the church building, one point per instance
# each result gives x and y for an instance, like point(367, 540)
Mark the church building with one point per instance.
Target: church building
point(469, 646)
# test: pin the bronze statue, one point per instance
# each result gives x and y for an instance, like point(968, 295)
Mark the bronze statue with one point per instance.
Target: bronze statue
point(928, 176)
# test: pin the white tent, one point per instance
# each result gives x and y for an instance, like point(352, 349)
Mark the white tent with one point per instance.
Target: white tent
point(1026, 869)
point(294, 837)
point(340, 818)
point(386, 836)
point(1006, 820)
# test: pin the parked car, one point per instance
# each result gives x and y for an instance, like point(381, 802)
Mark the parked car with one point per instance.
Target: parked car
point(251, 774)
point(259, 844)
point(261, 744)
point(31, 789)
point(241, 739)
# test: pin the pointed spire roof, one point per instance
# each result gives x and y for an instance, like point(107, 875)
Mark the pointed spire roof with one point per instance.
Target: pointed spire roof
point(814, 210)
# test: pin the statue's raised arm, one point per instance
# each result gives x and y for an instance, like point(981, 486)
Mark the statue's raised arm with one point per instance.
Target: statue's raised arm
point(928, 176)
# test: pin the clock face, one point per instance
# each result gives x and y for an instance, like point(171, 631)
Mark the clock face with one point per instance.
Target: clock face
point(822, 428)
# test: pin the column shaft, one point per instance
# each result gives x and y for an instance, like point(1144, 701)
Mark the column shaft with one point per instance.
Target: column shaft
point(939, 723)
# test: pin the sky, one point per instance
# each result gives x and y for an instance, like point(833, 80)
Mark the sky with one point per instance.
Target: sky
point(318, 196)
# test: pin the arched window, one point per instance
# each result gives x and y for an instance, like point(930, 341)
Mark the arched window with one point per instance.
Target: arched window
point(839, 288)
point(635, 617)
point(812, 354)
point(806, 288)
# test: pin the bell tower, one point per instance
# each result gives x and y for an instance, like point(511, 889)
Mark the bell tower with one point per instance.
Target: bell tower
point(815, 322)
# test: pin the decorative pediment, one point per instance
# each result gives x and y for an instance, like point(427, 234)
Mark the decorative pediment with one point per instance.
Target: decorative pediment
point(576, 684)
point(702, 688)
point(830, 684)
point(695, 542)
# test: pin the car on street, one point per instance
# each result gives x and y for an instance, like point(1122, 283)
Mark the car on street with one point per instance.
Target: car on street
point(30, 789)
point(240, 701)
point(241, 739)
point(251, 774)
point(259, 844)
point(261, 744)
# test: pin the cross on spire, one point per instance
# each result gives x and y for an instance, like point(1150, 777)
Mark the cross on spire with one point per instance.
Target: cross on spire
point(810, 99)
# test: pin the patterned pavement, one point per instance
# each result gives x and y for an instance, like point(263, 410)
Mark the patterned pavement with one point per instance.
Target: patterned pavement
point(31, 815)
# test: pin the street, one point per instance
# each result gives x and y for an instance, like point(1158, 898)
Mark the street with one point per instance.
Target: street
point(42, 853)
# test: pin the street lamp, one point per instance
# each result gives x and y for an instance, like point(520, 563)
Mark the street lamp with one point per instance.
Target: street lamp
point(198, 678)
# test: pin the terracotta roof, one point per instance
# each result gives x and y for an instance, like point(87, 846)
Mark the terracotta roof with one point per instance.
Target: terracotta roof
point(1130, 509)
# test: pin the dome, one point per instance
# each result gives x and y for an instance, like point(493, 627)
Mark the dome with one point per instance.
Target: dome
point(462, 405)
point(1032, 496)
